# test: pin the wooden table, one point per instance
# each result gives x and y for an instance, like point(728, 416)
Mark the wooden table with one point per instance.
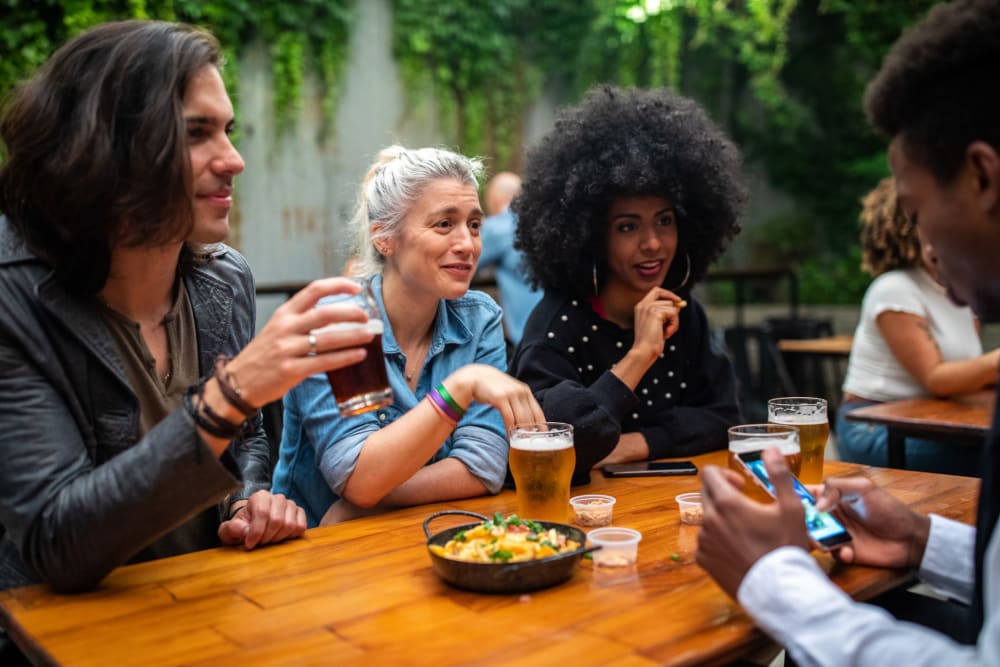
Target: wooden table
point(839, 346)
point(963, 419)
point(364, 592)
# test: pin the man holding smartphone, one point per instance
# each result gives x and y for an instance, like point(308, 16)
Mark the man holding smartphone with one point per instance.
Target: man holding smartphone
point(938, 98)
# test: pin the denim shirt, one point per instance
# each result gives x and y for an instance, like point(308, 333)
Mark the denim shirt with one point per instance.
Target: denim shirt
point(320, 449)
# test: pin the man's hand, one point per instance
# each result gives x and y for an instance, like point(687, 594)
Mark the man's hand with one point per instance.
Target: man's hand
point(736, 531)
point(886, 532)
point(265, 518)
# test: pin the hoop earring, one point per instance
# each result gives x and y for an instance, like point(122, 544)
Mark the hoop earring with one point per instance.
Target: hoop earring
point(595, 278)
point(687, 271)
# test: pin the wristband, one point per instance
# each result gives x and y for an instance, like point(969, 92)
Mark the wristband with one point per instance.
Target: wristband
point(442, 406)
point(230, 388)
point(442, 391)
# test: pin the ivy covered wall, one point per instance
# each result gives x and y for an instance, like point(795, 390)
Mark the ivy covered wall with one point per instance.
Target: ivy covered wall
point(785, 77)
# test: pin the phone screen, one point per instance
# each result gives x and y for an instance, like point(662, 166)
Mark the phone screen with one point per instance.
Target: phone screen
point(650, 469)
point(823, 527)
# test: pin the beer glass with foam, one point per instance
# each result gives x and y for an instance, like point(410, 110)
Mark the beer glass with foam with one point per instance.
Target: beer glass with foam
point(809, 415)
point(757, 437)
point(541, 461)
point(363, 386)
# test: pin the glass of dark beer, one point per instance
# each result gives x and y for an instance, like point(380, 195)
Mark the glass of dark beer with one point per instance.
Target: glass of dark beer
point(363, 386)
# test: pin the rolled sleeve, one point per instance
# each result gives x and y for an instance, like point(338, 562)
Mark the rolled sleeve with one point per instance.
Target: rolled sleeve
point(483, 452)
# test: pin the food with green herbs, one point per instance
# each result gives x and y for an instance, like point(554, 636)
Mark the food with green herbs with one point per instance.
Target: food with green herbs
point(507, 540)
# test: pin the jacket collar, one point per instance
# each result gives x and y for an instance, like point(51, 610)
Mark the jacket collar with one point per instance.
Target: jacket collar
point(212, 303)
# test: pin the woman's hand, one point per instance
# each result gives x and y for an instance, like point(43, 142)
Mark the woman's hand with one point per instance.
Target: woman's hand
point(281, 355)
point(263, 519)
point(486, 384)
point(657, 318)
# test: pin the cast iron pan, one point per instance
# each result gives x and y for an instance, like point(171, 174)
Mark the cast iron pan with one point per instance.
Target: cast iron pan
point(518, 577)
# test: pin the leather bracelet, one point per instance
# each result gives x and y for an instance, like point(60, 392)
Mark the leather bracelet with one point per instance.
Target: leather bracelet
point(442, 391)
point(230, 388)
point(208, 421)
point(441, 406)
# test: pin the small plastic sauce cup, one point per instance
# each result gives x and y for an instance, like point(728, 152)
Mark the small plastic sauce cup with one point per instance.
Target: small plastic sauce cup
point(592, 509)
point(619, 546)
point(690, 508)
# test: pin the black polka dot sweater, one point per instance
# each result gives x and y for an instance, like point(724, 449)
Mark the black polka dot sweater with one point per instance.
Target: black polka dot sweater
point(682, 406)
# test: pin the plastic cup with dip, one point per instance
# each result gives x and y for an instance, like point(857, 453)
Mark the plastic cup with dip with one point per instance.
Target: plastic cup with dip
point(690, 508)
point(619, 546)
point(592, 509)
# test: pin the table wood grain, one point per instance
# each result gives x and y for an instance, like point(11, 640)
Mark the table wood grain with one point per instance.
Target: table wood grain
point(965, 419)
point(365, 591)
point(826, 346)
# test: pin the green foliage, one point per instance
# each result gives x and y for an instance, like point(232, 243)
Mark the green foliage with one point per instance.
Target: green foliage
point(306, 35)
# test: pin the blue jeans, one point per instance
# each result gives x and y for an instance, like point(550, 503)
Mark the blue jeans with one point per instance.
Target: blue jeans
point(862, 442)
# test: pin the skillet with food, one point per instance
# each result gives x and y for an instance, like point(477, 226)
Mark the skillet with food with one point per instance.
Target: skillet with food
point(500, 555)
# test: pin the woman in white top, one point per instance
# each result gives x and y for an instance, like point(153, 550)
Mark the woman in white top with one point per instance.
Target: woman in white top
point(912, 341)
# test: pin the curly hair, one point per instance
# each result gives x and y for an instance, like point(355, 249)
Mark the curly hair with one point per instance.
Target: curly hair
point(97, 149)
point(618, 143)
point(889, 239)
point(939, 86)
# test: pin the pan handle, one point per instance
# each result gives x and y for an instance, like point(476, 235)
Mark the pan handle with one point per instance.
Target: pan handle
point(427, 521)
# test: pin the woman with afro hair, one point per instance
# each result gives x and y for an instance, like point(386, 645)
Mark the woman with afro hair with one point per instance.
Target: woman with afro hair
point(625, 204)
point(911, 341)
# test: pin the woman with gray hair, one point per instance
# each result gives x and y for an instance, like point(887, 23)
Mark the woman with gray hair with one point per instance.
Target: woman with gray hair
point(417, 224)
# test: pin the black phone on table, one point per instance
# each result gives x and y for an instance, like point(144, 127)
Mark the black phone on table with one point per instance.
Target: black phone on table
point(650, 469)
point(823, 527)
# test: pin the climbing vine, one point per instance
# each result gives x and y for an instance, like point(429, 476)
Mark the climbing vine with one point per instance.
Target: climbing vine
point(302, 36)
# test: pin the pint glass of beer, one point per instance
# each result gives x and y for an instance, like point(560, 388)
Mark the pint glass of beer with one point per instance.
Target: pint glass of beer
point(758, 437)
point(809, 415)
point(541, 461)
point(362, 386)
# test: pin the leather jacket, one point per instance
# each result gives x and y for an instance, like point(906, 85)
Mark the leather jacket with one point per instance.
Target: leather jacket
point(79, 495)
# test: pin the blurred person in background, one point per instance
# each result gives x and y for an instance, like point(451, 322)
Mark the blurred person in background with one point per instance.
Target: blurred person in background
point(517, 297)
point(911, 341)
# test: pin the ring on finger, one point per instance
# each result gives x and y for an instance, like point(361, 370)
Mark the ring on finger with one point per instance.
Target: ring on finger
point(312, 344)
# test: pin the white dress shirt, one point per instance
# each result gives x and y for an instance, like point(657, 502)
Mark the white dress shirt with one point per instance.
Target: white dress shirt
point(792, 600)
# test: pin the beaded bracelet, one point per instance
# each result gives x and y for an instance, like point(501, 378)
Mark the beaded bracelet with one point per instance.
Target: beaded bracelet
point(443, 393)
point(442, 406)
point(230, 388)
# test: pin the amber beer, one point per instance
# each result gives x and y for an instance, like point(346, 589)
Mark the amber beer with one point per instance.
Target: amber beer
point(809, 416)
point(363, 386)
point(757, 437)
point(541, 461)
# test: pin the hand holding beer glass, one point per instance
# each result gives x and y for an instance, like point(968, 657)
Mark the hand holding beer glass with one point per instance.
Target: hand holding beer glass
point(363, 386)
point(541, 461)
point(758, 437)
point(809, 415)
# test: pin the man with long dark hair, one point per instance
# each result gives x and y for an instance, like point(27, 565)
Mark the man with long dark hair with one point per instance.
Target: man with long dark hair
point(129, 388)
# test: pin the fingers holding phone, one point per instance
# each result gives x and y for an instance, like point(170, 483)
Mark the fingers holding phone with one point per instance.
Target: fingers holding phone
point(769, 470)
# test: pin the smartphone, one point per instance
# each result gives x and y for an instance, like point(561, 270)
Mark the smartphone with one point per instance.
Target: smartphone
point(650, 469)
point(823, 527)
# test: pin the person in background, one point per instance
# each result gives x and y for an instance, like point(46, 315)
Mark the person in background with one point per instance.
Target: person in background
point(625, 204)
point(938, 97)
point(911, 341)
point(417, 222)
point(517, 297)
point(129, 386)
